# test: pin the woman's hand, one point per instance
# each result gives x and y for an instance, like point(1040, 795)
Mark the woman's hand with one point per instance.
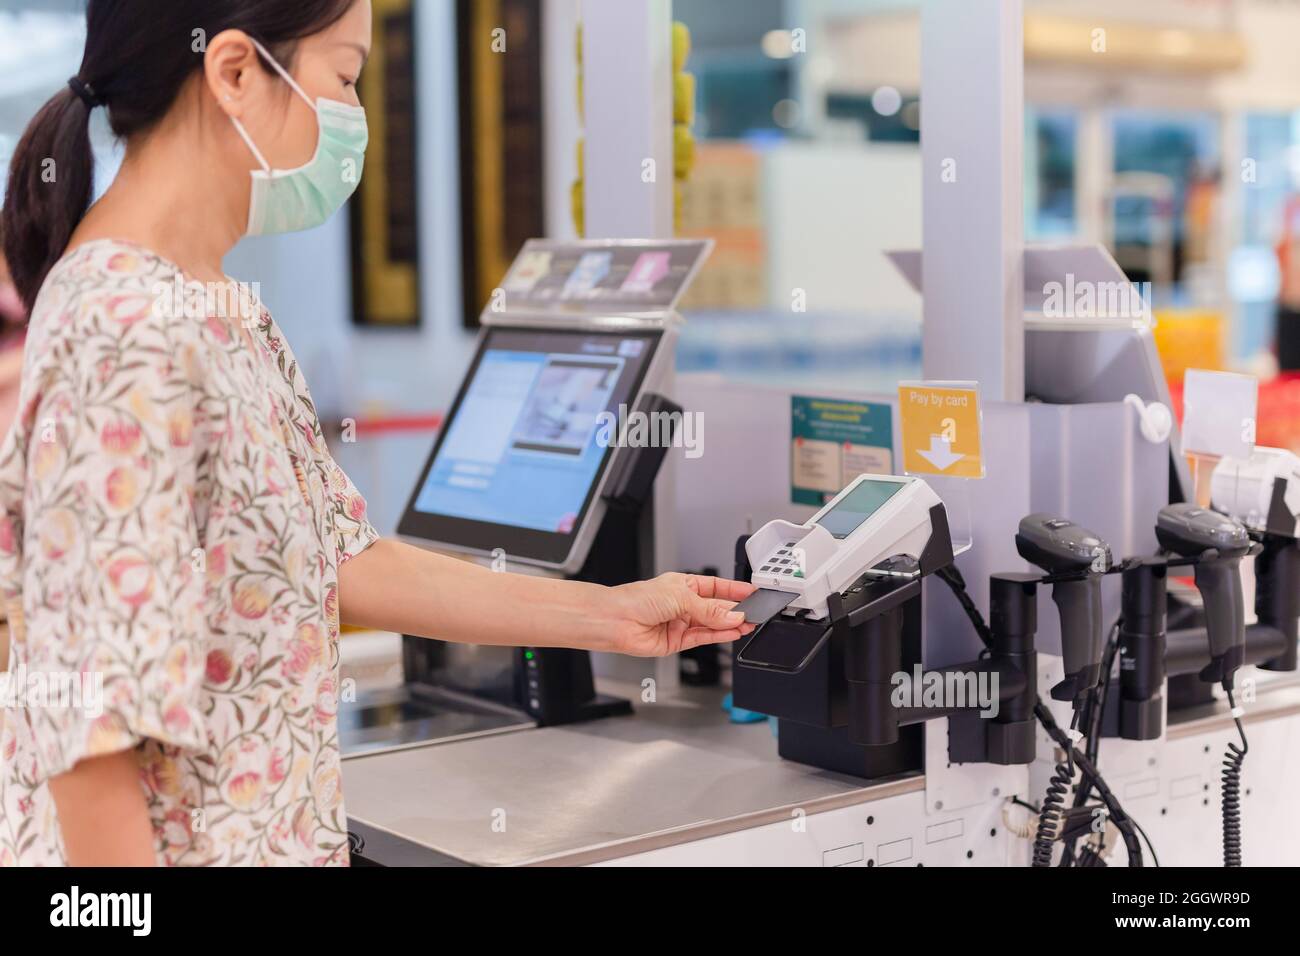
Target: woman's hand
point(675, 612)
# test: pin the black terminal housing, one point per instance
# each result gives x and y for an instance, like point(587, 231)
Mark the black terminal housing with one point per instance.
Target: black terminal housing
point(832, 683)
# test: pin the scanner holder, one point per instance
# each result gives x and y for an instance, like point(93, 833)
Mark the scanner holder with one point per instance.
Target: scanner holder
point(1150, 652)
point(835, 705)
point(1214, 544)
point(1075, 560)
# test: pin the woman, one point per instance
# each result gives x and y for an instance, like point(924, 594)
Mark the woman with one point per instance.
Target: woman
point(172, 521)
point(11, 370)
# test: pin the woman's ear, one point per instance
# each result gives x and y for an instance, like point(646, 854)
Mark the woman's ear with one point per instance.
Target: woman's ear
point(228, 66)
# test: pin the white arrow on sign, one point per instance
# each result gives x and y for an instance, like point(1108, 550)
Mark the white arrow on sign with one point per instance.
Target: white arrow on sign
point(940, 453)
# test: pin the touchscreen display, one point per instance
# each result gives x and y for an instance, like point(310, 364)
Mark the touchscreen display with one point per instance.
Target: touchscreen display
point(528, 437)
point(857, 506)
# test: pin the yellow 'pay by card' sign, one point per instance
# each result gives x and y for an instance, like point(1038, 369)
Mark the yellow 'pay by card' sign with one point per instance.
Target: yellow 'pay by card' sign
point(941, 429)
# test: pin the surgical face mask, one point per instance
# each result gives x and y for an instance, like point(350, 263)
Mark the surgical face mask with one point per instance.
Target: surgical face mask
point(289, 200)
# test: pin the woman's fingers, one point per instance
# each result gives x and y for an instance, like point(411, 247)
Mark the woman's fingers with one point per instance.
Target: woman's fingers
point(713, 613)
point(696, 636)
point(708, 587)
point(713, 617)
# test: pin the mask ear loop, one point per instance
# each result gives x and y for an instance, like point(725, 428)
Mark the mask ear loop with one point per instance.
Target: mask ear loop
point(239, 127)
point(284, 73)
point(248, 140)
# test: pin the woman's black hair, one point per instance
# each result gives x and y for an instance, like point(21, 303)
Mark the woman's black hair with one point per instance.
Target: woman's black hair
point(139, 54)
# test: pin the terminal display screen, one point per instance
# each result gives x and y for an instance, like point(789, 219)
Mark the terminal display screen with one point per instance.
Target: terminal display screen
point(857, 506)
point(521, 454)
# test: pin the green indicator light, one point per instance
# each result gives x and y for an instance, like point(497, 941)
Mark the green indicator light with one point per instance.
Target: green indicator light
point(528, 655)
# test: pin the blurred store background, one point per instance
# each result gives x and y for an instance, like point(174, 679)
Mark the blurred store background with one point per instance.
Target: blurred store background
point(1179, 149)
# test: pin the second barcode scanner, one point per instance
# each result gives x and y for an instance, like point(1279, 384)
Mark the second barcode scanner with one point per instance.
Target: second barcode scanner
point(1217, 543)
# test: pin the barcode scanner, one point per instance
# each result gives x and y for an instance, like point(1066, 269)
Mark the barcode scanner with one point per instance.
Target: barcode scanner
point(1217, 543)
point(1061, 547)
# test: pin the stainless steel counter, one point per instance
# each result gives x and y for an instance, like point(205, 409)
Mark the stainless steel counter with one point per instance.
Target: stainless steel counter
point(676, 771)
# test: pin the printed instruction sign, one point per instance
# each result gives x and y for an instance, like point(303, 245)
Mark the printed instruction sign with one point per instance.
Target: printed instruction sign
point(832, 442)
point(941, 429)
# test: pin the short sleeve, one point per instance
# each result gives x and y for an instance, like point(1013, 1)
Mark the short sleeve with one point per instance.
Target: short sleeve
point(353, 532)
point(112, 589)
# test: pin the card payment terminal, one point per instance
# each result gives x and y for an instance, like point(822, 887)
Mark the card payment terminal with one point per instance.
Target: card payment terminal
point(797, 566)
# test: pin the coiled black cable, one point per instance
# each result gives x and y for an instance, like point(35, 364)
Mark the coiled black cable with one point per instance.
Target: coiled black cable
point(1231, 782)
point(1125, 824)
point(1049, 818)
point(1092, 718)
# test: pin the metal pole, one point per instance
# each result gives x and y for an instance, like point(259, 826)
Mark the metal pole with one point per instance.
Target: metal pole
point(627, 100)
point(972, 143)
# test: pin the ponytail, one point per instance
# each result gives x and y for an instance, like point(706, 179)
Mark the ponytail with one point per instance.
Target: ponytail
point(139, 53)
point(51, 180)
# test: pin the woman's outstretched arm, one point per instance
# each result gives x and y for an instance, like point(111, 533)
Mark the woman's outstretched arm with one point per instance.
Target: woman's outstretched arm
point(394, 586)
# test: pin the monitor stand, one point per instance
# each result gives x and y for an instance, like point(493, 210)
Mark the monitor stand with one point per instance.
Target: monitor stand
point(555, 684)
point(451, 691)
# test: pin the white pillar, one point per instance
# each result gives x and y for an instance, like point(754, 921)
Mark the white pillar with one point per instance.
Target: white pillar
point(560, 125)
point(972, 140)
point(627, 100)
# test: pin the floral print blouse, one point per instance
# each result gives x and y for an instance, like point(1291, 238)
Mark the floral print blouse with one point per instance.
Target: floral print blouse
point(171, 527)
